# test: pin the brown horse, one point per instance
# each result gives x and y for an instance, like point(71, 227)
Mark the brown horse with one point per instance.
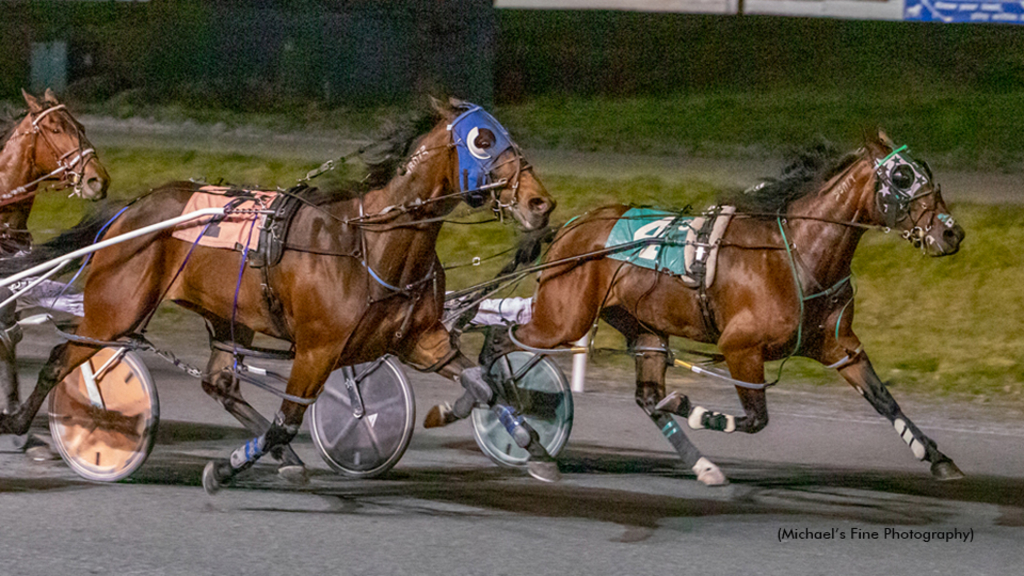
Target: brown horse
point(782, 289)
point(47, 145)
point(359, 277)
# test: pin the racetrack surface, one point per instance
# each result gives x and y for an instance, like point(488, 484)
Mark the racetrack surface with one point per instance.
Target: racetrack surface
point(825, 464)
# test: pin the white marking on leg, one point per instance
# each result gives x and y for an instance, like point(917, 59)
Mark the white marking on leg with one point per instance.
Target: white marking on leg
point(694, 420)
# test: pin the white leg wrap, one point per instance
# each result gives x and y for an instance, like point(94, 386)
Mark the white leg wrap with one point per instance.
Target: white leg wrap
point(708, 473)
point(915, 446)
point(694, 420)
point(730, 425)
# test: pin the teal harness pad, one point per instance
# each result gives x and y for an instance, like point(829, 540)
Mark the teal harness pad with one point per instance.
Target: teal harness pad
point(666, 255)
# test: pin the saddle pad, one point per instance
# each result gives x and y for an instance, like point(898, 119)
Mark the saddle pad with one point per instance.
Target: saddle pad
point(679, 247)
point(235, 230)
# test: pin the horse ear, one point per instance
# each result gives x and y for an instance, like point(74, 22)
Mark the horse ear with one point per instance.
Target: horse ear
point(878, 143)
point(50, 98)
point(456, 103)
point(442, 108)
point(33, 104)
point(884, 139)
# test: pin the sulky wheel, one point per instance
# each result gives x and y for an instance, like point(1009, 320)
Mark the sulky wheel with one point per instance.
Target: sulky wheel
point(363, 420)
point(540, 393)
point(103, 416)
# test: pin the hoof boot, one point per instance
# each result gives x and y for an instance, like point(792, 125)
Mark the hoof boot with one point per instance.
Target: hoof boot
point(708, 473)
point(294, 474)
point(215, 476)
point(946, 470)
point(544, 470)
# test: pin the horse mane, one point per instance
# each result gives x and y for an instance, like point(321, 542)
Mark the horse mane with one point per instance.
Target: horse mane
point(804, 173)
point(382, 159)
point(9, 120)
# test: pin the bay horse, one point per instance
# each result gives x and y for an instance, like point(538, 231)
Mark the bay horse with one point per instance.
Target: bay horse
point(782, 288)
point(359, 277)
point(45, 147)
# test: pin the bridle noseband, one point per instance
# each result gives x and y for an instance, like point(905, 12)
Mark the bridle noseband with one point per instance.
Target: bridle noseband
point(66, 168)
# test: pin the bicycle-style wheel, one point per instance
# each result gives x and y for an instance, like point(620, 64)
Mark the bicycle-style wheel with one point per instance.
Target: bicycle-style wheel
point(363, 420)
point(540, 393)
point(105, 430)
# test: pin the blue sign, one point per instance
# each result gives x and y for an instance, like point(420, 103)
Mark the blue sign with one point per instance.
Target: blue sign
point(960, 11)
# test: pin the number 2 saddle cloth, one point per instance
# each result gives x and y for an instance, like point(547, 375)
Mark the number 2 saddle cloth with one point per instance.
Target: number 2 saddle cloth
point(681, 245)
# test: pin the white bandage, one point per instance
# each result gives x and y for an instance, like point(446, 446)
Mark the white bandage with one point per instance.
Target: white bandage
point(694, 420)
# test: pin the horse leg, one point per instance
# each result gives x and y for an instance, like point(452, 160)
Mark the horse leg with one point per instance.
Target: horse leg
point(219, 382)
point(312, 366)
point(63, 359)
point(651, 352)
point(431, 349)
point(10, 335)
point(861, 375)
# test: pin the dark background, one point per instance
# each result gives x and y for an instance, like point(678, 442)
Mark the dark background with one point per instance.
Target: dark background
point(262, 54)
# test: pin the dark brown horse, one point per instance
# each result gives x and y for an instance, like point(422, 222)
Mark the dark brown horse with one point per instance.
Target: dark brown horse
point(47, 147)
point(782, 289)
point(359, 277)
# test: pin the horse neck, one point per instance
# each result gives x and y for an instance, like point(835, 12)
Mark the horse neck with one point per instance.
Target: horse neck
point(16, 166)
point(404, 251)
point(817, 225)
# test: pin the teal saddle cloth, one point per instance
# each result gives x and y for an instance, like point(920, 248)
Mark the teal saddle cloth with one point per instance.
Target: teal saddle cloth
point(680, 242)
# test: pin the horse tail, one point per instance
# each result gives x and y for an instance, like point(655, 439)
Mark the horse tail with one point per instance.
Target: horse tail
point(86, 232)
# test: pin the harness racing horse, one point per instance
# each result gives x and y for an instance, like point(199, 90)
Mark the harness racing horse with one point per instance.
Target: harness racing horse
point(359, 277)
point(782, 288)
point(46, 145)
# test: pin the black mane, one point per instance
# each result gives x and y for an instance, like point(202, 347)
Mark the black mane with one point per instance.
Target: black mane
point(382, 160)
point(805, 172)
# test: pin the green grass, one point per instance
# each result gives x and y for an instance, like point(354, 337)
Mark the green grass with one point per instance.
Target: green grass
point(953, 128)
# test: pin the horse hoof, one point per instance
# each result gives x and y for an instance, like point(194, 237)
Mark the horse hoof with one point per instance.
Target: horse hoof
point(946, 470)
point(210, 482)
point(544, 470)
point(708, 473)
point(39, 451)
point(674, 403)
point(294, 474)
point(439, 415)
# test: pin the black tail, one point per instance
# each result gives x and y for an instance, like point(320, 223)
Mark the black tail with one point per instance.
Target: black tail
point(81, 235)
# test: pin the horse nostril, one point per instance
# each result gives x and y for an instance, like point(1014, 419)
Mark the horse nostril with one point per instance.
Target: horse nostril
point(96, 185)
point(953, 236)
point(539, 205)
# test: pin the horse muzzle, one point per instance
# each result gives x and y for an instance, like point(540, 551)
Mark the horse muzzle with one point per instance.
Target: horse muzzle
point(92, 184)
point(942, 240)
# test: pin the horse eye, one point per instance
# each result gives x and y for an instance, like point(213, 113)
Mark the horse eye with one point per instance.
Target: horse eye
point(902, 177)
point(484, 139)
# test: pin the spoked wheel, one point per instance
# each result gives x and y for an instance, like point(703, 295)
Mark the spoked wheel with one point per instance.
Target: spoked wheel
point(540, 393)
point(103, 416)
point(363, 419)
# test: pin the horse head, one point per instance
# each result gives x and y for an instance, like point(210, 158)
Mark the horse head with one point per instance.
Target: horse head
point(489, 166)
point(60, 148)
point(907, 199)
